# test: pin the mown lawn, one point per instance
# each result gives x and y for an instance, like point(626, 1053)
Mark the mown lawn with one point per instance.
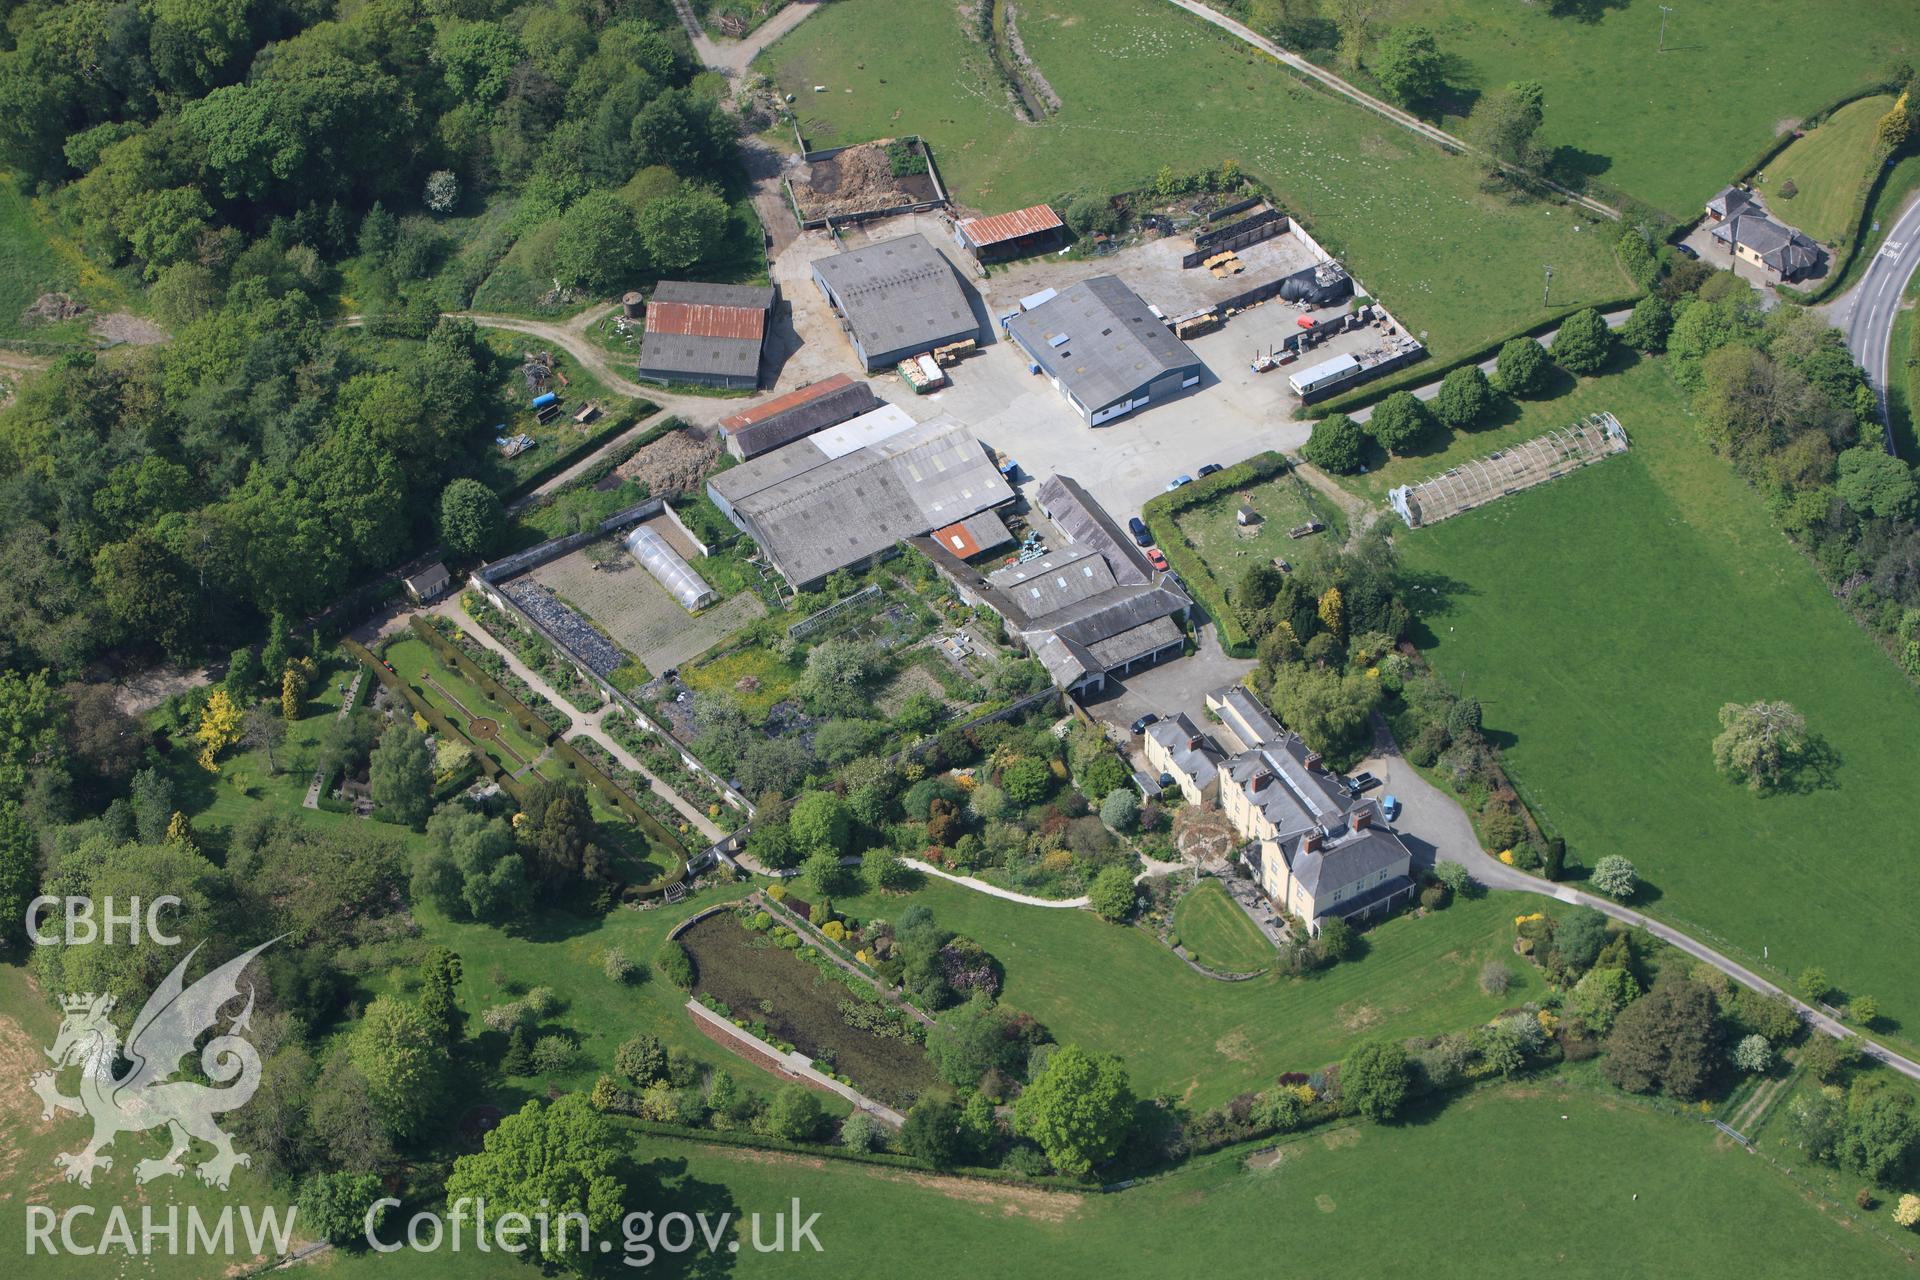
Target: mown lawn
point(1117, 989)
point(1146, 85)
point(1602, 619)
point(1825, 168)
point(1513, 1183)
point(1281, 503)
point(1216, 932)
point(1669, 128)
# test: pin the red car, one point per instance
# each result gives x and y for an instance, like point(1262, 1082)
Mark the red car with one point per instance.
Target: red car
point(1157, 560)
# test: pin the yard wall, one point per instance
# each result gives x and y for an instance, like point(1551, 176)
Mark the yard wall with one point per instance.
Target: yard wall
point(1161, 514)
point(807, 223)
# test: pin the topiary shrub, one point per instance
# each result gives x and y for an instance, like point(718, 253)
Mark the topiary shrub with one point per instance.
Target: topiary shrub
point(1338, 445)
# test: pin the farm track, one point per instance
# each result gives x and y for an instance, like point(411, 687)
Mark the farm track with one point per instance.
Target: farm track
point(1405, 119)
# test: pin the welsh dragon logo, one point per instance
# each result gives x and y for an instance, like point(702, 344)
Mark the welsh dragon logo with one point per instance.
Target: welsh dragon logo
point(145, 1096)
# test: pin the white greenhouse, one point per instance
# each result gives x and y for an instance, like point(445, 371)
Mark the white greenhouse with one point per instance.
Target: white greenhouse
point(674, 573)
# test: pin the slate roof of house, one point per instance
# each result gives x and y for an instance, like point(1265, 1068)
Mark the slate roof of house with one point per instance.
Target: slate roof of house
point(1295, 799)
point(1100, 340)
point(1781, 247)
point(1001, 227)
point(1730, 200)
point(429, 581)
point(1250, 723)
point(1191, 751)
point(1087, 524)
point(900, 293)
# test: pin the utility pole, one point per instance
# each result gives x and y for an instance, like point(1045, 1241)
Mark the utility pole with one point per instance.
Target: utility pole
point(1547, 291)
point(1665, 9)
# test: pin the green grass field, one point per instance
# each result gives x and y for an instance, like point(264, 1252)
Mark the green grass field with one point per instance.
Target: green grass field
point(1573, 1185)
point(1282, 503)
point(1602, 619)
point(1669, 128)
point(1825, 168)
point(1145, 85)
point(1216, 932)
point(1118, 990)
point(31, 264)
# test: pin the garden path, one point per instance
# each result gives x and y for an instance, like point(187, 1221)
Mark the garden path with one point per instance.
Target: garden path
point(346, 707)
point(588, 726)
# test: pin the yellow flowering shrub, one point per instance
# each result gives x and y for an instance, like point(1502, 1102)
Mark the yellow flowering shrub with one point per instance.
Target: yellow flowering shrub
point(776, 891)
point(1506, 856)
point(219, 728)
point(1305, 1093)
point(1057, 861)
point(834, 930)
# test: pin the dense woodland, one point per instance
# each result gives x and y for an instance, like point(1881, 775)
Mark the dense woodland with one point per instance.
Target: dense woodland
point(256, 163)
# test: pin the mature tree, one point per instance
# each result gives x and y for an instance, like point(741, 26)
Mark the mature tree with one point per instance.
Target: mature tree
point(675, 964)
point(820, 823)
point(1579, 936)
point(1027, 781)
point(471, 518)
point(822, 874)
point(471, 869)
point(932, 1131)
point(1375, 1079)
point(682, 230)
point(597, 246)
point(336, 1206)
point(1465, 397)
point(399, 1051)
point(1401, 423)
point(1616, 877)
point(1875, 483)
point(1829, 1058)
point(1646, 329)
point(1408, 64)
point(1337, 444)
point(1753, 1054)
point(836, 676)
point(263, 729)
point(1584, 343)
point(1523, 368)
point(32, 713)
point(1667, 1040)
point(557, 834)
point(400, 774)
point(1121, 809)
point(1330, 711)
point(1504, 123)
point(1881, 1131)
point(1357, 21)
point(1600, 995)
point(1111, 894)
point(794, 1115)
point(1079, 1108)
point(1761, 743)
point(1815, 1120)
point(19, 874)
point(103, 869)
point(562, 1158)
point(972, 1038)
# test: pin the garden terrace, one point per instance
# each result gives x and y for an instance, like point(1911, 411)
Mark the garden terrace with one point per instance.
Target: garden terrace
point(803, 1005)
point(1214, 931)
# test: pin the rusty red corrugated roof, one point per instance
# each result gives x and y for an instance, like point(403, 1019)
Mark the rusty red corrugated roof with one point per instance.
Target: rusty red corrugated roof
point(780, 404)
point(704, 320)
point(958, 539)
point(1010, 226)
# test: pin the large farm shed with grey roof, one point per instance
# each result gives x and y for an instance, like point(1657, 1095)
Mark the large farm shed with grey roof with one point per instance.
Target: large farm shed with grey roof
point(784, 419)
point(846, 496)
point(708, 335)
point(1104, 349)
point(898, 298)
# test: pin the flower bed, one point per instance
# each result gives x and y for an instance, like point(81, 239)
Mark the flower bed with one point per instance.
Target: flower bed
point(635, 785)
point(664, 760)
point(767, 985)
point(536, 652)
point(496, 666)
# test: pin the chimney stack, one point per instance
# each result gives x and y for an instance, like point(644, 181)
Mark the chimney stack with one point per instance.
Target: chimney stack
point(1362, 818)
point(1313, 760)
point(1261, 779)
point(1311, 842)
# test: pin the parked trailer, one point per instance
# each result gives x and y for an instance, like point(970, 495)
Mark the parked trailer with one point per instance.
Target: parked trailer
point(1328, 373)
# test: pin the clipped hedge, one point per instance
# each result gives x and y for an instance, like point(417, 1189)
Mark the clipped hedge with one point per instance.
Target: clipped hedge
point(523, 715)
point(1160, 511)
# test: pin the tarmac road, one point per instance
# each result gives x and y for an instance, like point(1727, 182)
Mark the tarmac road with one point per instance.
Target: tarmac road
point(1867, 312)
